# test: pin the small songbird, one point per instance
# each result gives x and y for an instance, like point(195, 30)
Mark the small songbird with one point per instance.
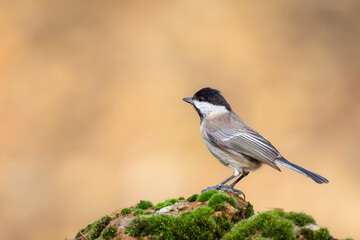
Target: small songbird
point(234, 143)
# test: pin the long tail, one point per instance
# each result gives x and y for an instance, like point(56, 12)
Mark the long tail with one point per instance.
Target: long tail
point(314, 176)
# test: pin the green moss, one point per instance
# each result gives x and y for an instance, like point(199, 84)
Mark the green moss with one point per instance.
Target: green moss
point(117, 214)
point(109, 233)
point(205, 196)
point(280, 229)
point(84, 230)
point(321, 234)
point(217, 201)
point(300, 219)
point(196, 224)
point(181, 198)
point(308, 234)
point(144, 205)
point(219, 207)
point(154, 226)
point(271, 224)
point(141, 212)
point(243, 213)
point(125, 211)
point(275, 224)
point(223, 225)
point(168, 202)
point(138, 212)
point(249, 210)
point(98, 226)
point(192, 198)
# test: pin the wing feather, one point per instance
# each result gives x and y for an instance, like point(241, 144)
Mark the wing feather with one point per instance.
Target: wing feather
point(247, 142)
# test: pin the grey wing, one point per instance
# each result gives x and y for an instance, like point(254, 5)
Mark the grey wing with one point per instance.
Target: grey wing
point(247, 142)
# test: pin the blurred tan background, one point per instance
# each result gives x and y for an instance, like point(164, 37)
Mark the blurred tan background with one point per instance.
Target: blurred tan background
point(92, 118)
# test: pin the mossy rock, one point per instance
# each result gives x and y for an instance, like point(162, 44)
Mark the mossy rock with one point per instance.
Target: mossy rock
point(308, 234)
point(144, 205)
point(299, 219)
point(243, 213)
point(141, 212)
point(274, 224)
point(109, 233)
point(166, 203)
point(196, 224)
point(217, 201)
point(192, 198)
point(215, 215)
point(83, 231)
point(125, 211)
point(205, 196)
point(94, 230)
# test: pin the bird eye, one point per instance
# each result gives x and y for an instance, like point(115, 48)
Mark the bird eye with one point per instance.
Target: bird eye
point(201, 99)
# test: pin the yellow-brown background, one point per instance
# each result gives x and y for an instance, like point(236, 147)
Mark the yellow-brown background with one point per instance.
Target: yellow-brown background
point(92, 118)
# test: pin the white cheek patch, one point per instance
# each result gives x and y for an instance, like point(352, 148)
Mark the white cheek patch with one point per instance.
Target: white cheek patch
point(209, 108)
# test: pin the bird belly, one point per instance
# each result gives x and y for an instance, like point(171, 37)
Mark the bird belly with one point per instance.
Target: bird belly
point(233, 160)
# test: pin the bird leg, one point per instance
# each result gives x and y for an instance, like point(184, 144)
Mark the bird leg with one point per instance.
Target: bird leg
point(226, 180)
point(222, 186)
point(244, 174)
point(236, 173)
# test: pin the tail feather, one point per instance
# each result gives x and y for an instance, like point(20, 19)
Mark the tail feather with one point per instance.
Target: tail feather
point(314, 176)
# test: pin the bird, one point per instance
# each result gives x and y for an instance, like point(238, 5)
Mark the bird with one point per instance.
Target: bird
point(234, 143)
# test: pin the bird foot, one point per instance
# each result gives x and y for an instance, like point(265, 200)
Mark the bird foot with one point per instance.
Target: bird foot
point(225, 188)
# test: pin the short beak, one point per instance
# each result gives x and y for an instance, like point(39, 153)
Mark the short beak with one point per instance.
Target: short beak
point(188, 100)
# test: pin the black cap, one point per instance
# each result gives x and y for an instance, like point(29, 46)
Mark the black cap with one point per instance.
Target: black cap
point(212, 96)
